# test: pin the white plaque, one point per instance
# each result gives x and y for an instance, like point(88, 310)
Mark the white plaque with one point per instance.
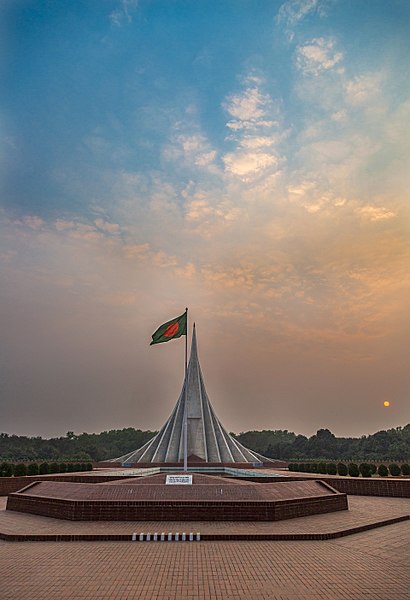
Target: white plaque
point(179, 480)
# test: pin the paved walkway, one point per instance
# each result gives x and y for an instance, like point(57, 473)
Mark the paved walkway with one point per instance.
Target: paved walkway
point(373, 565)
point(363, 510)
point(369, 566)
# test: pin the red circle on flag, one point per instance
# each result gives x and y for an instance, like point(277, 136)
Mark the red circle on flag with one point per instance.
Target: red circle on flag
point(171, 330)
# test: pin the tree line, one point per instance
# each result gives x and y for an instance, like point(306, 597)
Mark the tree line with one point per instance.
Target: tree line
point(71, 447)
point(391, 444)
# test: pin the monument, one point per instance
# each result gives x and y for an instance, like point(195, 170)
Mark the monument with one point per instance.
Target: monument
point(207, 439)
point(192, 434)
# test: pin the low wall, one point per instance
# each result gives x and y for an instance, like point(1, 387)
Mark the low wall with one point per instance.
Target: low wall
point(88, 510)
point(361, 486)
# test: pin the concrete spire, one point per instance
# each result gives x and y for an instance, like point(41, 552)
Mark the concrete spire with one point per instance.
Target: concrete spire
point(208, 441)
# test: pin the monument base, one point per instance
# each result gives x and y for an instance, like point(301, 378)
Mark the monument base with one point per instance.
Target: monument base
point(208, 498)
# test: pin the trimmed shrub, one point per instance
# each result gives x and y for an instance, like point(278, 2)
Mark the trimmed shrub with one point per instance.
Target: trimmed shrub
point(313, 468)
point(54, 467)
point(341, 469)
point(373, 468)
point(44, 469)
point(382, 471)
point(395, 470)
point(83, 467)
point(89, 467)
point(365, 470)
point(331, 469)
point(6, 469)
point(405, 469)
point(62, 467)
point(322, 468)
point(291, 467)
point(32, 469)
point(77, 467)
point(20, 470)
point(353, 470)
point(69, 467)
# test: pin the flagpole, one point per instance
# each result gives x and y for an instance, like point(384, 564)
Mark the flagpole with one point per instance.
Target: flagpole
point(186, 399)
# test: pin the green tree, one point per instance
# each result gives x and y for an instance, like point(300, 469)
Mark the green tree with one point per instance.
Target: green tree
point(20, 470)
point(44, 469)
point(331, 469)
point(342, 469)
point(6, 469)
point(32, 469)
point(365, 470)
point(382, 471)
point(405, 469)
point(395, 470)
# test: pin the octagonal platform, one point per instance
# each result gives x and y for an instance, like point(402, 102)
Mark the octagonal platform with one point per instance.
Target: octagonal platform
point(209, 498)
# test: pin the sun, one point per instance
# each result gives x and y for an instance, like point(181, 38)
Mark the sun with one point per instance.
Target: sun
point(386, 403)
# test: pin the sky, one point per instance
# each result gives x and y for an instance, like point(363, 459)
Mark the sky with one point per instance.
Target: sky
point(247, 159)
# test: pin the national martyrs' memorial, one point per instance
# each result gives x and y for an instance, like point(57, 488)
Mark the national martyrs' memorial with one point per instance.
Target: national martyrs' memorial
point(207, 440)
point(192, 469)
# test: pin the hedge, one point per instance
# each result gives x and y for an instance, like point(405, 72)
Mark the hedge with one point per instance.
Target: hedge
point(21, 469)
point(383, 471)
point(395, 470)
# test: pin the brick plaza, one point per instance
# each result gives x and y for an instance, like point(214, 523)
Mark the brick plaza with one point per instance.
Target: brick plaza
point(371, 565)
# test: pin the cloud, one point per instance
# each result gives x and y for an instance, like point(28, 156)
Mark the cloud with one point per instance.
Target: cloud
point(254, 131)
point(123, 14)
point(208, 211)
point(107, 227)
point(318, 56)
point(363, 89)
point(248, 107)
point(376, 213)
point(191, 148)
point(292, 12)
point(247, 165)
point(135, 251)
point(32, 221)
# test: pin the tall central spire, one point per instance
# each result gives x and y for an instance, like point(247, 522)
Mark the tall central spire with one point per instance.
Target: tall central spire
point(208, 441)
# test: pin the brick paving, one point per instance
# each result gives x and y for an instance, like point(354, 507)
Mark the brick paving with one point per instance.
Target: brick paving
point(363, 510)
point(208, 498)
point(205, 488)
point(371, 566)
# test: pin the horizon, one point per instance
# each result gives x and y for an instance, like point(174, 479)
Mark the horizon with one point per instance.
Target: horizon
point(235, 433)
point(249, 161)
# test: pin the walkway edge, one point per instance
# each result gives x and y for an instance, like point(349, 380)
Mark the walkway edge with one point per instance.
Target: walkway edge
point(127, 537)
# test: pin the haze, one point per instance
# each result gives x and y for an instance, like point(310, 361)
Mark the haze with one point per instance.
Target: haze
point(247, 159)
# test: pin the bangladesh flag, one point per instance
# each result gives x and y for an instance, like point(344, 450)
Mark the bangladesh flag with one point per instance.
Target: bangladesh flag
point(170, 330)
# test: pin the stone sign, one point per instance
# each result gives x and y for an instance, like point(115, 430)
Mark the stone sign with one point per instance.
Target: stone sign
point(179, 480)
